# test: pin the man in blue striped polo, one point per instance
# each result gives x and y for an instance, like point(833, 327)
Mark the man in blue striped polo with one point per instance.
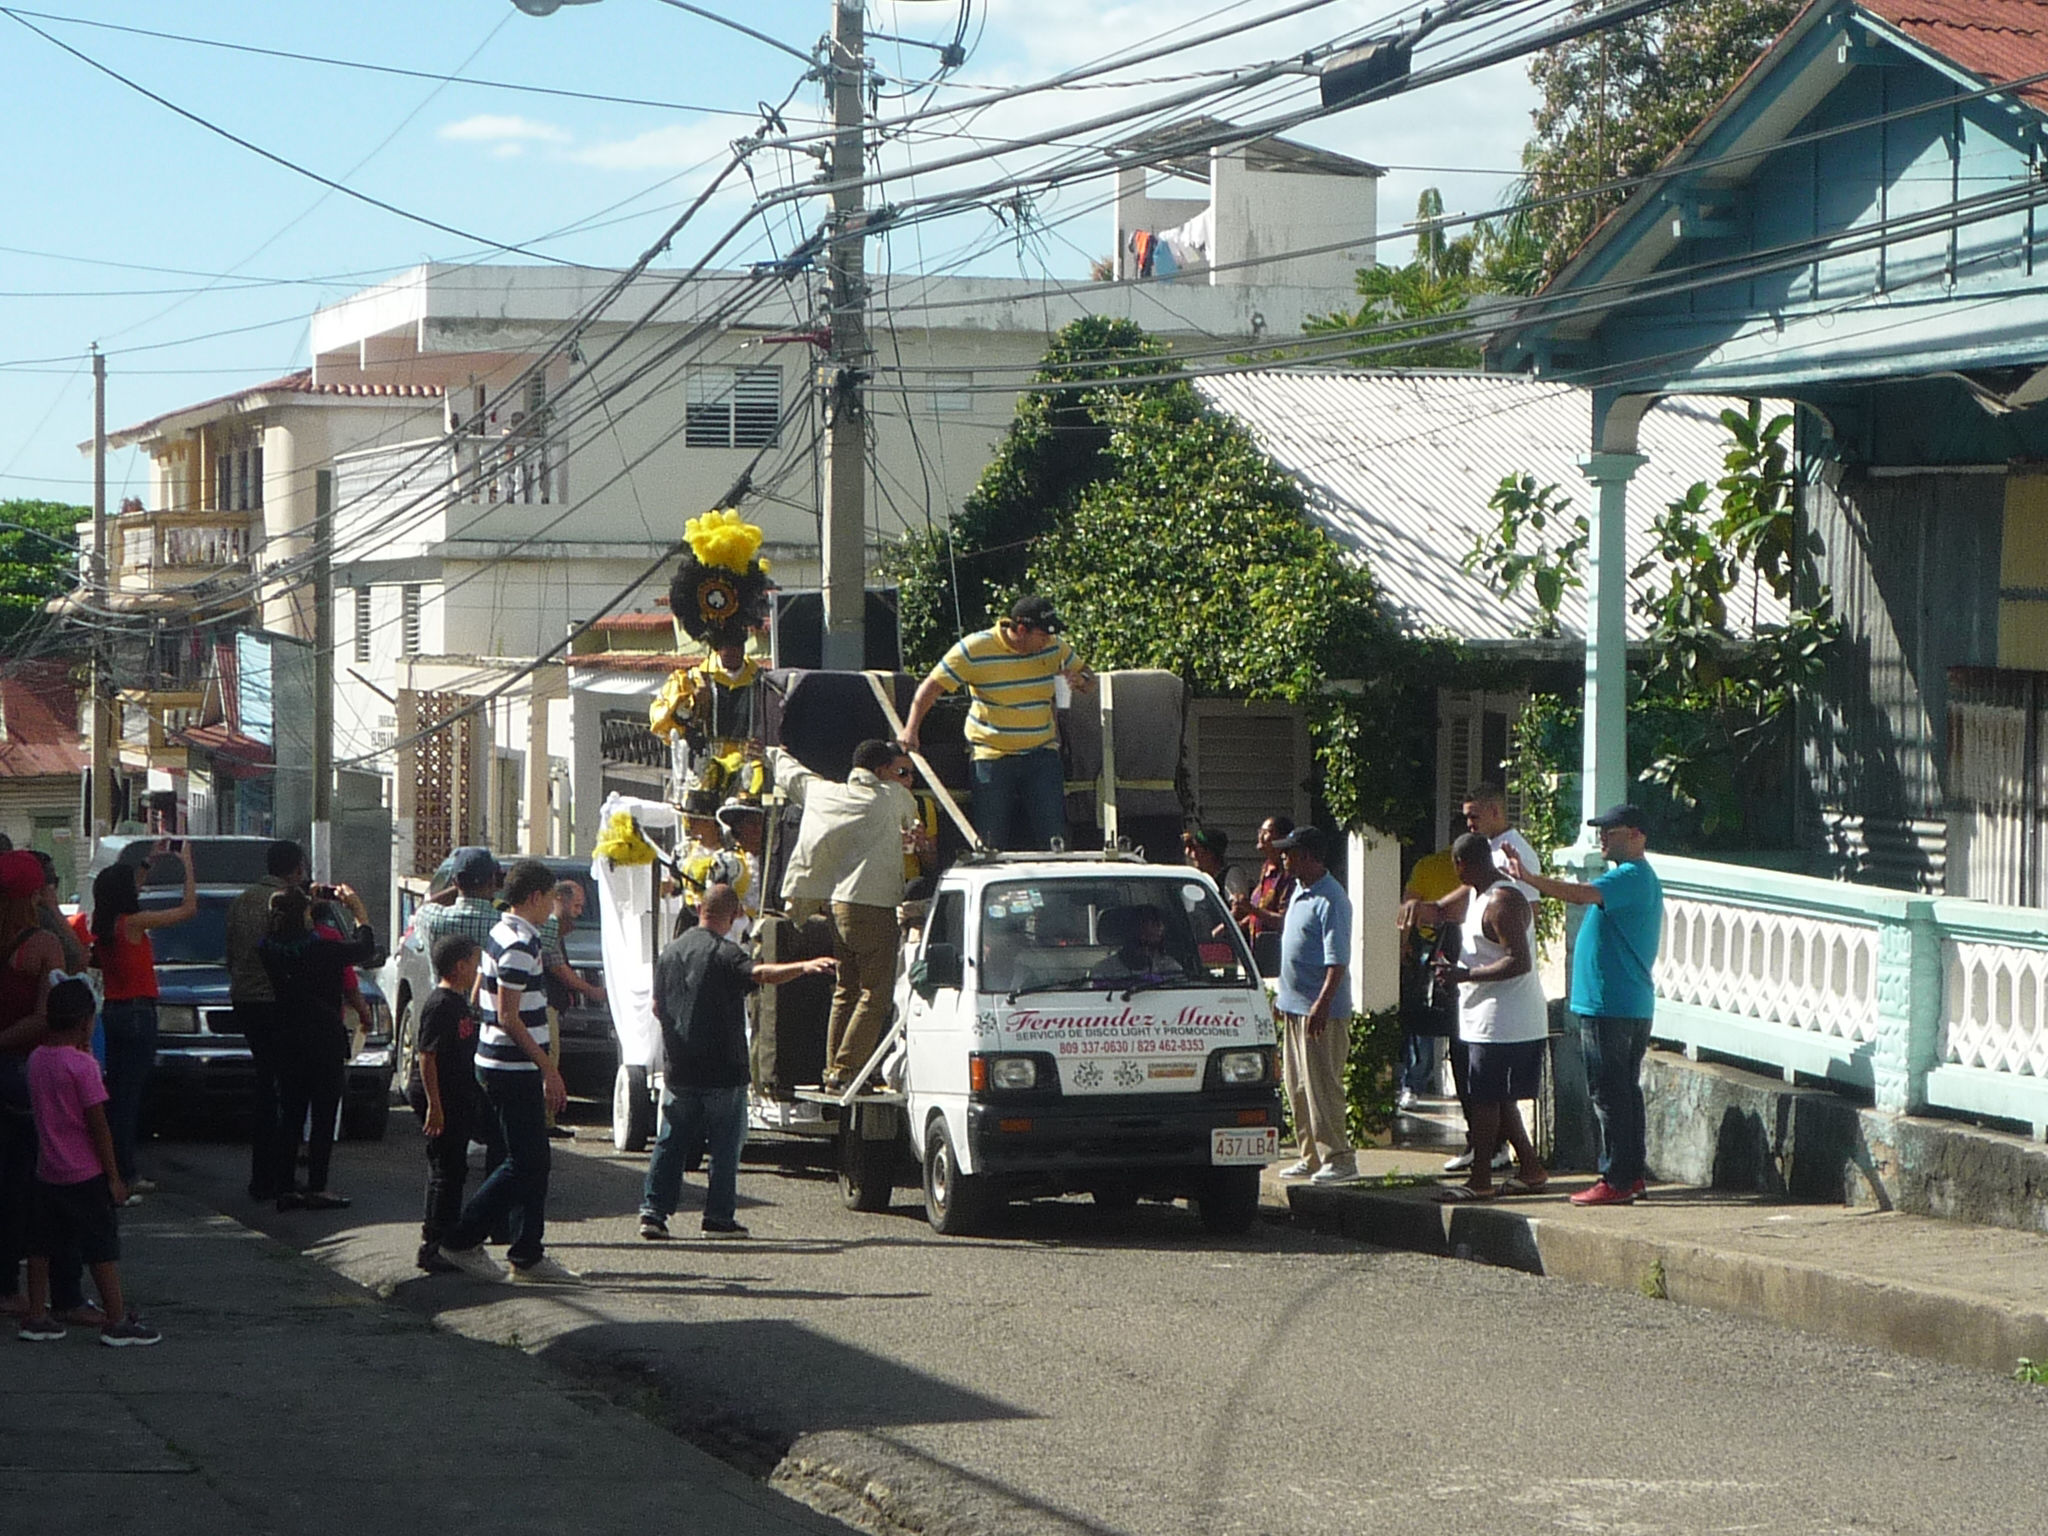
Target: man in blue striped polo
point(521, 1087)
point(1010, 673)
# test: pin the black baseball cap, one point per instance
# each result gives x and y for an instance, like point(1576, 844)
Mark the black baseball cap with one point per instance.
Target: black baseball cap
point(1623, 815)
point(1313, 841)
point(1036, 611)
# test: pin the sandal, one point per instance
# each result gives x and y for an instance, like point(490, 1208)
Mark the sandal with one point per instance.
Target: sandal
point(1522, 1186)
point(1463, 1194)
point(321, 1200)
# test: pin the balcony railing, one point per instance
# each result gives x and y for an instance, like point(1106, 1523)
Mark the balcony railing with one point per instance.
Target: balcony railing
point(154, 551)
point(412, 483)
point(1927, 1003)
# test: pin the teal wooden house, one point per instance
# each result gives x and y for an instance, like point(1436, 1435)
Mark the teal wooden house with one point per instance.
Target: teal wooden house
point(1859, 227)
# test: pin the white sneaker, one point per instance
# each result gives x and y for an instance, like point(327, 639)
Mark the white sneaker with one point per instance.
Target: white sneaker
point(1338, 1170)
point(1459, 1163)
point(1407, 1098)
point(1297, 1170)
point(1503, 1159)
point(546, 1271)
point(473, 1262)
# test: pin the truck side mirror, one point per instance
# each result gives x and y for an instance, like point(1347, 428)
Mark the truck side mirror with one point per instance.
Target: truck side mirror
point(938, 966)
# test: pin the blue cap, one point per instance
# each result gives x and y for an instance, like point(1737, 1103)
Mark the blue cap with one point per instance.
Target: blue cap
point(474, 868)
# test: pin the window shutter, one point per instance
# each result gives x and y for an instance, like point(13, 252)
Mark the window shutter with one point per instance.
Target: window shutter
point(756, 407)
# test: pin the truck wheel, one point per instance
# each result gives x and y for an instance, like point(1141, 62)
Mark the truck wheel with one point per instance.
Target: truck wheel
point(955, 1203)
point(867, 1167)
point(405, 1043)
point(1229, 1202)
point(632, 1109)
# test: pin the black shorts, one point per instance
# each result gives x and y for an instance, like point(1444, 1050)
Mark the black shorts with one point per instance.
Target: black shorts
point(1500, 1072)
point(79, 1216)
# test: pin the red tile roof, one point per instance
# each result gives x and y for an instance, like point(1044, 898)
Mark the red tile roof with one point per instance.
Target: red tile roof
point(41, 716)
point(1996, 40)
point(298, 382)
point(630, 661)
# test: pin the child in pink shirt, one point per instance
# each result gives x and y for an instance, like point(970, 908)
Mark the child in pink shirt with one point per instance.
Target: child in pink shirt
point(77, 1183)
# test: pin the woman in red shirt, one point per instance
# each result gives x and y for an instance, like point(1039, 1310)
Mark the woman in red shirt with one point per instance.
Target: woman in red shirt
point(1263, 912)
point(120, 932)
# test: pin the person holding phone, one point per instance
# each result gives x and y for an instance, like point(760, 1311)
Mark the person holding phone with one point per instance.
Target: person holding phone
point(119, 935)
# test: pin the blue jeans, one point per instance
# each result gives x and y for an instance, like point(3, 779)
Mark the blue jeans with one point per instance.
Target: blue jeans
point(131, 1055)
point(1418, 1064)
point(713, 1119)
point(1020, 800)
point(1613, 1048)
point(515, 1194)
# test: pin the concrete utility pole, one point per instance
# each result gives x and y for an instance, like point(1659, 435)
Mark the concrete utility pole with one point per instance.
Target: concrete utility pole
point(101, 815)
point(323, 674)
point(844, 545)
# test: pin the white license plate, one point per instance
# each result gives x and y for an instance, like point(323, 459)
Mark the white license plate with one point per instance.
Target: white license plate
point(1246, 1146)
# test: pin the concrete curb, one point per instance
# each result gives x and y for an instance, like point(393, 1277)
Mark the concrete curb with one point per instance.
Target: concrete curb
point(1954, 1326)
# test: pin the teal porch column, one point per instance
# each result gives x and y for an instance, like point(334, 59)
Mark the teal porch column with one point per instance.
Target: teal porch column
point(1604, 776)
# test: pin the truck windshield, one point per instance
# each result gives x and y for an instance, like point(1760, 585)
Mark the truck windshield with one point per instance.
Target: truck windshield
point(1110, 932)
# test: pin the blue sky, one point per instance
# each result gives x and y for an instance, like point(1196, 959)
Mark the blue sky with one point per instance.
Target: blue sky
point(195, 262)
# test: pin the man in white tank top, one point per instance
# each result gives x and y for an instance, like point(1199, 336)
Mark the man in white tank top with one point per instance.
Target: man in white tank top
point(1503, 1021)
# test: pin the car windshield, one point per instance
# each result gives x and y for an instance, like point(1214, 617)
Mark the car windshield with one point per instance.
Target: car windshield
point(201, 940)
point(1108, 933)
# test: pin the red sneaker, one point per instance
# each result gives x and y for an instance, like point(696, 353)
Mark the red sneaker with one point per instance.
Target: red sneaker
point(1604, 1193)
point(1640, 1187)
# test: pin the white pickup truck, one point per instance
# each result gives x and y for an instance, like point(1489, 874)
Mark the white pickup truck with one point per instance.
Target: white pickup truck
point(1070, 1023)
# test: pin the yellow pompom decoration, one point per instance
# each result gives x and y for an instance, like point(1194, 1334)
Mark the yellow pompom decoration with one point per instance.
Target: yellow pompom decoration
point(724, 539)
point(622, 843)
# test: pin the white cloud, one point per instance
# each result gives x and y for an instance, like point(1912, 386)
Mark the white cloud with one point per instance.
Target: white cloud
point(673, 148)
point(502, 128)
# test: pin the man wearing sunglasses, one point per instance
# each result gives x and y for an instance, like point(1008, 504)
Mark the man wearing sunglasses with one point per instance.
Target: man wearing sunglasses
point(851, 843)
point(1010, 673)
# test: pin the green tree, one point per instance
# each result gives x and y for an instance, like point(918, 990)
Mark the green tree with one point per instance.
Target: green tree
point(955, 579)
point(1711, 720)
point(38, 561)
point(1617, 102)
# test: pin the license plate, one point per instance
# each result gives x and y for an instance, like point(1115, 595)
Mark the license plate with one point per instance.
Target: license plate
point(1244, 1146)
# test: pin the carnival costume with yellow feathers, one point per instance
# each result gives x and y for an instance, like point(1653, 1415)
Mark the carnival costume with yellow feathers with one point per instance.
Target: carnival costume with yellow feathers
point(719, 597)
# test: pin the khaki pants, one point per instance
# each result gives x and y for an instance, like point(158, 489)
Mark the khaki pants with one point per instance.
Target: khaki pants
point(864, 943)
point(1312, 1068)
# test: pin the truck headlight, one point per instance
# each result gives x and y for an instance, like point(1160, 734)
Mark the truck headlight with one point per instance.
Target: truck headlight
point(1012, 1072)
point(177, 1019)
point(1242, 1067)
point(380, 1020)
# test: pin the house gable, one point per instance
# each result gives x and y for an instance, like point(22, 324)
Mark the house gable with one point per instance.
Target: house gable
point(1841, 215)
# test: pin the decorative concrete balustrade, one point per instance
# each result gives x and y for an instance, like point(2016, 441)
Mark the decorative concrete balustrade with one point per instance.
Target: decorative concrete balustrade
point(1925, 1003)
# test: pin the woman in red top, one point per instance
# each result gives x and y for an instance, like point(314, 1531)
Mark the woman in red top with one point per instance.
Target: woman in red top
point(120, 937)
point(27, 956)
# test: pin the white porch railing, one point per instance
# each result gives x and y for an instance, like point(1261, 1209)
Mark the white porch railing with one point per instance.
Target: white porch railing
point(1925, 1002)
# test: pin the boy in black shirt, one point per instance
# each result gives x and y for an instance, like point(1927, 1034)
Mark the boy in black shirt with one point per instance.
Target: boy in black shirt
point(444, 1090)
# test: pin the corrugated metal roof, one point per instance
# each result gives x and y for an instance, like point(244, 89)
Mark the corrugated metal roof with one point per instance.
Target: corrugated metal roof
point(1400, 466)
point(39, 721)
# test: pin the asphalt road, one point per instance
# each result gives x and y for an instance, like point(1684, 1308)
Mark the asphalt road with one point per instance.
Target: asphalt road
point(1090, 1371)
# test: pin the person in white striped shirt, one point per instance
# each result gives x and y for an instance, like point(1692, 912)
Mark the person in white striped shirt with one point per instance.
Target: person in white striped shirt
point(521, 1086)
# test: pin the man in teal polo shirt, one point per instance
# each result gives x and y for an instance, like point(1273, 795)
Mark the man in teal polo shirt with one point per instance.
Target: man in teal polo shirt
point(1613, 995)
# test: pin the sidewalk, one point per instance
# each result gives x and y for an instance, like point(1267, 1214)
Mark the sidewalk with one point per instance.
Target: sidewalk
point(1944, 1290)
point(286, 1399)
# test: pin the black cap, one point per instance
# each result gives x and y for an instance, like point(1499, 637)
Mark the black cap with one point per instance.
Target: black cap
point(1313, 841)
point(1623, 815)
point(1037, 612)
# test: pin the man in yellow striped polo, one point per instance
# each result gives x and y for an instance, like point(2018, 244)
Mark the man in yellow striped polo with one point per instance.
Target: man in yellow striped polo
point(1009, 673)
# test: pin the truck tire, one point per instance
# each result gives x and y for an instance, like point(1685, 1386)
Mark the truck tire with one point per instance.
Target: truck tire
point(867, 1167)
point(405, 1043)
point(1229, 1202)
point(956, 1204)
point(632, 1109)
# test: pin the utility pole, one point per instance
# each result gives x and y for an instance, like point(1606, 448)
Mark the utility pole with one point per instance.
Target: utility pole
point(843, 548)
point(323, 674)
point(101, 814)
